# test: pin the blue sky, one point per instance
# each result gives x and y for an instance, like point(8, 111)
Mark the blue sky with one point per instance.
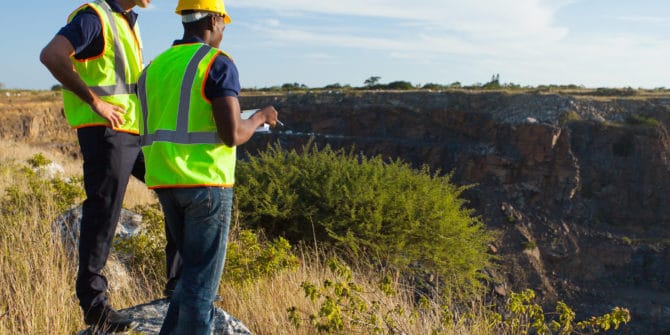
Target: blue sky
point(595, 43)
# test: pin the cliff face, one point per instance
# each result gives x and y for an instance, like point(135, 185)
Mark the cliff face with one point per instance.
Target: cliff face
point(37, 118)
point(579, 194)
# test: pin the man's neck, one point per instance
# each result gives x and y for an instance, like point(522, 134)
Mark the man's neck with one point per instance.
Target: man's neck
point(126, 5)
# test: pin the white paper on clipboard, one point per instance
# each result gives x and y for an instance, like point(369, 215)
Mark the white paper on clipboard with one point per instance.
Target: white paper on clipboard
point(247, 113)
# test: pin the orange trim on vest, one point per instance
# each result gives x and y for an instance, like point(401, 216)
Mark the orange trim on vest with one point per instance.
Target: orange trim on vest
point(204, 82)
point(107, 126)
point(104, 37)
point(191, 186)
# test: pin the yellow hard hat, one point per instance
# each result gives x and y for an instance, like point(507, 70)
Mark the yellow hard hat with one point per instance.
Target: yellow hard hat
point(214, 6)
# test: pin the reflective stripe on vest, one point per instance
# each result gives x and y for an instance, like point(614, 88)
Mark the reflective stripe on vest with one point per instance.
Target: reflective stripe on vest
point(122, 56)
point(181, 134)
point(120, 64)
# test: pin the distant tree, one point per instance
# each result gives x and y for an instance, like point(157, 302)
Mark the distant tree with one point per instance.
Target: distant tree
point(494, 83)
point(333, 86)
point(400, 85)
point(372, 81)
point(456, 84)
point(432, 86)
point(2, 86)
point(57, 87)
point(293, 86)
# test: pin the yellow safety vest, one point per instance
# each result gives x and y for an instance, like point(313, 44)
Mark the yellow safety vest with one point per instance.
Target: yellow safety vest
point(177, 130)
point(112, 75)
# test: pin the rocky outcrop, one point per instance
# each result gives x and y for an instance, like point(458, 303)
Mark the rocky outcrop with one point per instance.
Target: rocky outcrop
point(148, 319)
point(36, 117)
point(578, 191)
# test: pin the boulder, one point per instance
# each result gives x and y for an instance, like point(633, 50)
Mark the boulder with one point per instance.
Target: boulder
point(149, 316)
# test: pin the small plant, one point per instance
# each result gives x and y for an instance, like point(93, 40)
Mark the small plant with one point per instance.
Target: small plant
point(529, 245)
point(343, 307)
point(248, 259)
point(569, 116)
point(38, 160)
point(144, 253)
point(643, 120)
point(42, 191)
point(529, 318)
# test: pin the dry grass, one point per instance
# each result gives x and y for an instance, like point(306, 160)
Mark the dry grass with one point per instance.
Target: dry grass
point(37, 290)
point(37, 277)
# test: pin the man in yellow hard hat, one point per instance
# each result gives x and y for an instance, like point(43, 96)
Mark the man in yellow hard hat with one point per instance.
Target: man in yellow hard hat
point(97, 57)
point(190, 126)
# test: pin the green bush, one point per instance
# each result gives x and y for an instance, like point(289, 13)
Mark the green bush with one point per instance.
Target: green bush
point(400, 85)
point(643, 120)
point(249, 258)
point(144, 253)
point(48, 194)
point(569, 116)
point(387, 213)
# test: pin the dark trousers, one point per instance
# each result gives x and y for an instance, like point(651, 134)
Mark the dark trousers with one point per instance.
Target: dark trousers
point(110, 158)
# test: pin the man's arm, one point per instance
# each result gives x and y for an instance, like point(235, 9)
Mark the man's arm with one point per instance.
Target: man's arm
point(232, 129)
point(56, 57)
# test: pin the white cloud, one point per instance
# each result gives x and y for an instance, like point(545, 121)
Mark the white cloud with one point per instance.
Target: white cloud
point(502, 18)
point(520, 39)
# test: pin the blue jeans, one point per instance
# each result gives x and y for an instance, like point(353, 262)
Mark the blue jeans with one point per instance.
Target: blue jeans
point(199, 219)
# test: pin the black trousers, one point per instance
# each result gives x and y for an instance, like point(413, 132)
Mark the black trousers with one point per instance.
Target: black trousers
point(110, 158)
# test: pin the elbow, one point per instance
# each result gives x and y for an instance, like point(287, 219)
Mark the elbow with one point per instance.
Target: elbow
point(46, 59)
point(227, 139)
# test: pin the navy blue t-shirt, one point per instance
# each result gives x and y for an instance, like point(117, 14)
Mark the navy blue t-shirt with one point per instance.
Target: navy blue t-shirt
point(223, 79)
point(85, 31)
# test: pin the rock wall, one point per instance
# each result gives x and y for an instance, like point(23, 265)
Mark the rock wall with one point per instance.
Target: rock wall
point(578, 193)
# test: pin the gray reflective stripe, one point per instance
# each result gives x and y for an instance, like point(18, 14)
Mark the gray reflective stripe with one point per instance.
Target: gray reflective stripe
point(186, 85)
point(114, 89)
point(119, 61)
point(172, 136)
point(142, 96)
point(181, 134)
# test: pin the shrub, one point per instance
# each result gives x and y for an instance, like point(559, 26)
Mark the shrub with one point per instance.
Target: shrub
point(400, 85)
point(637, 119)
point(249, 258)
point(569, 116)
point(527, 317)
point(56, 193)
point(144, 253)
point(388, 213)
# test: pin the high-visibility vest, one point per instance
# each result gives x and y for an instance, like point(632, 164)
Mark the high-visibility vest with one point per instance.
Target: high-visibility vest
point(112, 75)
point(177, 130)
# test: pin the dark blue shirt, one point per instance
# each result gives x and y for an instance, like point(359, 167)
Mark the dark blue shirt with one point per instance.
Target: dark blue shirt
point(223, 79)
point(85, 31)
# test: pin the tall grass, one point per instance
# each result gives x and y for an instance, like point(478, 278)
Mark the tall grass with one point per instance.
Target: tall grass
point(37, 279)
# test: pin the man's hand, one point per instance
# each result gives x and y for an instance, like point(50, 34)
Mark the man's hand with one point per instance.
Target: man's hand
point(270, 114)
point(112, 113)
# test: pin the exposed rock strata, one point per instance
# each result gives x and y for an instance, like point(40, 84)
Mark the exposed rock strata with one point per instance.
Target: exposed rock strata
point(589, 189)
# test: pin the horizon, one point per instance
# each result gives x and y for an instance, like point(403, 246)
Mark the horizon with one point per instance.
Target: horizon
point(589, 43)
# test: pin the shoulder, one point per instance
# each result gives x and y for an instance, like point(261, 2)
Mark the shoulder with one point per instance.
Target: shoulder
point(222, 64)
point(223, 78)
